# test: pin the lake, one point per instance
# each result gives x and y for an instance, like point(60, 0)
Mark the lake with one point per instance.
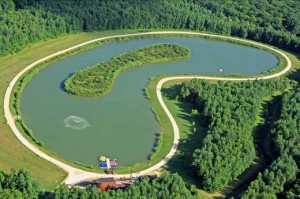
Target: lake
point(121, 124)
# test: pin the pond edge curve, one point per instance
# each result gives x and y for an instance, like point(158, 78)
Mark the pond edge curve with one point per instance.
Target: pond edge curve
point(76, 175)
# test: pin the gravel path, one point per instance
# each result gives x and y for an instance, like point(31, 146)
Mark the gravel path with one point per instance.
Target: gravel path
point(76, 175)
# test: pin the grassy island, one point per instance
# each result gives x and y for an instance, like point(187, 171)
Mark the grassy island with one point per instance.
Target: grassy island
point(97, 80)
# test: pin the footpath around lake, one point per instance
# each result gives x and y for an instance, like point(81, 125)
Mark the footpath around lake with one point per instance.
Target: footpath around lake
point(76, 175)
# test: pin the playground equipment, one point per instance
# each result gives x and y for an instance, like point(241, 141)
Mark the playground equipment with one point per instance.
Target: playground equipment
point(107, 163)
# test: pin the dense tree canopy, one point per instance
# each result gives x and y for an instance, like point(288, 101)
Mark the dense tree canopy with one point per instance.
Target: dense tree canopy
point(7, 5)
point(287, 130)
point(19, 28)
point(231, 111)
point(272, 180)
point(284, 170)
point(273, 22)
point(167, 186)
point(18, 184)
point(294, 191)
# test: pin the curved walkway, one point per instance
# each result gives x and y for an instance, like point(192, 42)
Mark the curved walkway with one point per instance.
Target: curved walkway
point(76, 175)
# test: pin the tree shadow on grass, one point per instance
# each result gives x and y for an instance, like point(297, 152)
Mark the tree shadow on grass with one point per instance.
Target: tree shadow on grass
point(295, 75)
point(191, 137)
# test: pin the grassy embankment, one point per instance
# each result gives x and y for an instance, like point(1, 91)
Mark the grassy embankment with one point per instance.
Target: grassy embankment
point(12, 153)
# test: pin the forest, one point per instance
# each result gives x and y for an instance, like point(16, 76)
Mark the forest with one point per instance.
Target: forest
point(98, 80)
point(167, 186)
point(294, 190)
point(282, 177)
point(230, 111)
point(18, 185)
point(272, 22)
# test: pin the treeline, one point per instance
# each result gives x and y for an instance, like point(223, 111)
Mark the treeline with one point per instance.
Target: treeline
point(287, 129)
point(167, 186)
point(272, 22)
point(22, 27)
point(294, 191)
point(97, 80)
point(282, 174)
point(230, 111)
point(271, 182)
point(18, 185)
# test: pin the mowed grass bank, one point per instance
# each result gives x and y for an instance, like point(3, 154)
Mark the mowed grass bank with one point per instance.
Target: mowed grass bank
point(12, 153)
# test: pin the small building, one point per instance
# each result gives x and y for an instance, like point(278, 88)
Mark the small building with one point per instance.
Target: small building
point(105, 184)
point(150, 177)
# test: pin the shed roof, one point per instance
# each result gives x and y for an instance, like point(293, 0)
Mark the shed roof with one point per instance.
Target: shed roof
point(104, 180)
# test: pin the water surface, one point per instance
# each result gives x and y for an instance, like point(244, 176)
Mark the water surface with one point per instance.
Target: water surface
point(121, 124)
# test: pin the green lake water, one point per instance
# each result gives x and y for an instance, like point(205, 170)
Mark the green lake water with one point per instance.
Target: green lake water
point(121, 124)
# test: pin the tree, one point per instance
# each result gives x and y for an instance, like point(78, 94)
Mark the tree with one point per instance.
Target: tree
point(167, 186)
point(18, 184)
point(7, 5)
point(231, 111)
point(246, 19)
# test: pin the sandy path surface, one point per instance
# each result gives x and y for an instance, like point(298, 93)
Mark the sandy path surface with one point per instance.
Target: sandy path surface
point(76, 175)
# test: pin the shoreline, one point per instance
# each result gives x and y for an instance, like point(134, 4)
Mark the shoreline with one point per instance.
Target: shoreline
point(76, 175)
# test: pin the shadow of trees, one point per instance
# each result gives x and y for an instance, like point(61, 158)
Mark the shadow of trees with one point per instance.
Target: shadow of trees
point(295, 75)
point(191, 137)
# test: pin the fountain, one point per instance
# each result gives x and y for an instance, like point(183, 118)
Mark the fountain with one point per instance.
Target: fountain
point(76, 122)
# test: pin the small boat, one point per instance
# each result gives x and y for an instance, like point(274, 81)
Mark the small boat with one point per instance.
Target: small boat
point(220, 70)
